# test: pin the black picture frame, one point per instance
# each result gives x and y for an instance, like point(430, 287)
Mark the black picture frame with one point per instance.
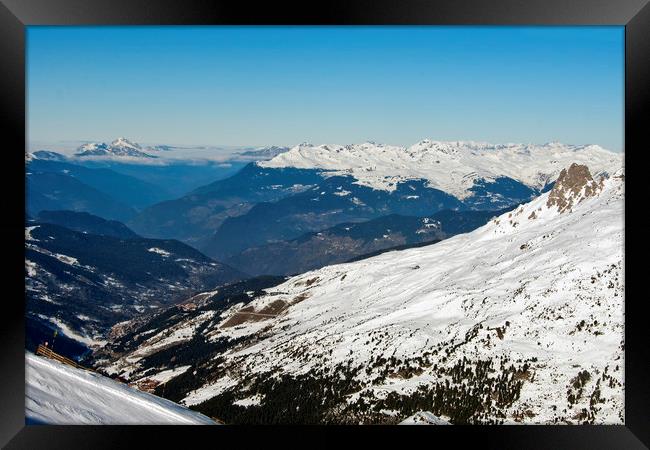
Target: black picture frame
point(15, 15)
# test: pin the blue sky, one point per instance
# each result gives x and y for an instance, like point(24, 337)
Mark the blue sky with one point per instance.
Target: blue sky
point(285, 85)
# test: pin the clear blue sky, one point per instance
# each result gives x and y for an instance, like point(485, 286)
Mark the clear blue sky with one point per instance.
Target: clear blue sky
point(285, 85)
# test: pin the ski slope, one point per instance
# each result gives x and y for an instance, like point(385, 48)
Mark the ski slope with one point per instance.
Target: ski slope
point(63, 395)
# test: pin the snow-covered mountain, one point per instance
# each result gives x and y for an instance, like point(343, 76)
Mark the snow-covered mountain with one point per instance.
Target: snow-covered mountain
point(46, 155)
point(57, 394)
point(120, 147)
point(520, 320)
point(453, 167)
point(337, 184)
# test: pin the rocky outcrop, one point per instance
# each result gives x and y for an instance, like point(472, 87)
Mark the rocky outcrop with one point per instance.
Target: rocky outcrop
point(573, 186)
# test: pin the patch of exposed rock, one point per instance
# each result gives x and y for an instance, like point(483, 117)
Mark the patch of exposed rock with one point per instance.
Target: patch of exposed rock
point(573, 186)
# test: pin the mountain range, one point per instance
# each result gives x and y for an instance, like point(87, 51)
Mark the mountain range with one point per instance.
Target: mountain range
point(51, 178)
point(111, 188)
point(453, 167)
point(445, 282)
point(84, 283)
point(47, 190)
point(354, 240)
point(518, 321)
point(310, 188)
point(86, 223)
point(195, 216)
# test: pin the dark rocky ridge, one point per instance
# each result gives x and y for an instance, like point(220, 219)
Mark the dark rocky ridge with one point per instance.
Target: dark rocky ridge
point(89, 282)
point(84, 222)
point(351, 241)
point(260, 205)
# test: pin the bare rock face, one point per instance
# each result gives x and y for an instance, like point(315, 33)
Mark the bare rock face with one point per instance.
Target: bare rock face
point(573, 186)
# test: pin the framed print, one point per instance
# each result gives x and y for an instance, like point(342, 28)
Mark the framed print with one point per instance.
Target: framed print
point(319, 219)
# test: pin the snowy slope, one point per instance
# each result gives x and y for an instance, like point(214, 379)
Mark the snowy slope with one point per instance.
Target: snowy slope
point(518, 321)
point(452, 167)
point(60, 394)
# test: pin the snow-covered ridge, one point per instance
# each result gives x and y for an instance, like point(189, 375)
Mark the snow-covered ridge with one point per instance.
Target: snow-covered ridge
point(451, 166)
point(60, 394)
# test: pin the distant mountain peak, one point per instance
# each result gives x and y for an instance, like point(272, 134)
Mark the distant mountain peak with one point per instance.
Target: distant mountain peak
point(47, 155)
point(119, 147)
point(573, 186)
point(124, 142)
